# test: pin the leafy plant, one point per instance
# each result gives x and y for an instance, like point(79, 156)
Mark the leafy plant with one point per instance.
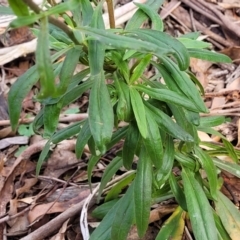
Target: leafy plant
point(163, 118)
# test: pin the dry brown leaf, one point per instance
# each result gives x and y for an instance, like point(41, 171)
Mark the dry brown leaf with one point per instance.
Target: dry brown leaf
point(61, 232)
point(200, 68)
point(233, 53)
point(28, 183)
point(49, 208)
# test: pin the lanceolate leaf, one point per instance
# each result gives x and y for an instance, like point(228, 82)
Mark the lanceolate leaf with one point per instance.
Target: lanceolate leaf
point(110, 170)
point(208, 55)
point(82, 139)
point(18, 92)
point(44, 63)
point(124, 216)
point(168, 125)
point(153, 141)
point(229, 215)
point(167, 162)
point(130, 145)
point(199, 209)
point(139, 111)
point(143, 192)
point(168, 96)
point(208, 165)
point(173, 228)
point(100, 113)
point(177, 192)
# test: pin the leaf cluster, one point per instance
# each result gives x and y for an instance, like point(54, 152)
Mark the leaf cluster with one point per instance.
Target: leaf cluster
point(162, 115)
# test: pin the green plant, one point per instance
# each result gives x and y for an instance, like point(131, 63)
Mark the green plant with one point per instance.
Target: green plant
point(163, 119)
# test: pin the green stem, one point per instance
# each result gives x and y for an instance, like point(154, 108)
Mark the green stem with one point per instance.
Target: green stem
point(52, 20)
point(111, 13)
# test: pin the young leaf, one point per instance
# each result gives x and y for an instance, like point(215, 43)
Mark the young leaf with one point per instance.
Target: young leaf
point(18, 92)
point(143, 192)
point(208, 165)
point(190, 43)
point(139, 111)
point(199, 209)
point(110, 170)
point(222, 233)
point(211, 121)
point(173, 228)
point(229, 215)
point(101, 119)
point(140, 68)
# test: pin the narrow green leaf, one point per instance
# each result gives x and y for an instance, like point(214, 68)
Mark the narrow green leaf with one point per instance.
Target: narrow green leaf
point(185, 84)
point(168, 125)
point(130, 145)
point(230, 150)
point(18, 92)
point(139, 111)
point(208, 165)
point(229, 215)
point(153, 141)
point(167, 162)
point(67, 132)
point(209, 55)
point(101, 211)
point(119, 186)
point(230, 167)
point(67, 69)
point(82, 139)
point(110, 170)
point(168, 96)
point(44, 63)
point(43, 156)
point(143, 192)
point(222, 233)
point(139, 16)
point(124, 107)
point(173, 228)
point(164, 40)
point(50, 118)
point(191, 43)
point(119, 41)
point(140, 68)
point(101, 120)
point(212, 121)
point(91, 164)
point(199, 209)
point(19, 7)
point(157, 22)
point(186, 161)
point(177, 192)
point(124, 216)
point(22, 21)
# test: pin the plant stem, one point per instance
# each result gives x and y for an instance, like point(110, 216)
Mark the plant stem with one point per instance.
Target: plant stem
point(52, 20)
point(111, 13)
